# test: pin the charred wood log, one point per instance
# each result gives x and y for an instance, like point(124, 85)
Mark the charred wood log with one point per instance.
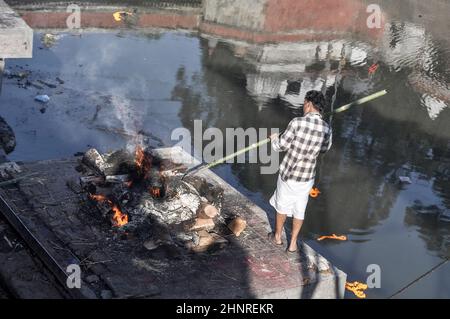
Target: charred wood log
point(120, 162)
point(121, 194)
point(84, 180)
point(117, 179)
point(93, 159)
point(214, 194)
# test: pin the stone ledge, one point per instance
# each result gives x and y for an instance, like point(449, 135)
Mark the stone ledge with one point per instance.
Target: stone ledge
point(16, 37)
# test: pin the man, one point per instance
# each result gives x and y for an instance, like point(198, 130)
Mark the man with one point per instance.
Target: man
point(303, 140)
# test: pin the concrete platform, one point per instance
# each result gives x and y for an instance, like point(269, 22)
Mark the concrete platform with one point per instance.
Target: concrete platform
point(248, 267)
point(16, 37)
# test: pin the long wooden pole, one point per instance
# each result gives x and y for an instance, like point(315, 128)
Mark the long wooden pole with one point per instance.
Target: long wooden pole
point(343, 108)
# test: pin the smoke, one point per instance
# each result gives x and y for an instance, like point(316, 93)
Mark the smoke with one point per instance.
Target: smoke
point(131, 120)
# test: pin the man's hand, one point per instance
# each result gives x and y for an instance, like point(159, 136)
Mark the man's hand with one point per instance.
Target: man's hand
point(274, 135)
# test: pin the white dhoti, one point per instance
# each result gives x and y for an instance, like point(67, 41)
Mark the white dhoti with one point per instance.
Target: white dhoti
point(291, 197)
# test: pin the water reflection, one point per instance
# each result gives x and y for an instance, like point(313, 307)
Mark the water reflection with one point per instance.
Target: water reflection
point(406, 134)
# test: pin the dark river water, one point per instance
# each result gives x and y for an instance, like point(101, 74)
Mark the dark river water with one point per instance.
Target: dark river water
point(156, 81)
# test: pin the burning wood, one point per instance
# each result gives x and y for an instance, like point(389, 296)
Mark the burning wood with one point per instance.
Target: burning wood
point(113, 179)
point(139, 185)
point(84, 180)
point(93, 159)
point(117, 178)
point(119, 219)
point(155, 191)
point(143, 162)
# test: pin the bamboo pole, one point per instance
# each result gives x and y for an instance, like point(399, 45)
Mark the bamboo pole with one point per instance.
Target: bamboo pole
point(358, 102)
point(343, 108)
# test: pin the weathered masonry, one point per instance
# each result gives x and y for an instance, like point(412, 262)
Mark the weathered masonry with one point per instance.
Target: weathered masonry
point(16, 37)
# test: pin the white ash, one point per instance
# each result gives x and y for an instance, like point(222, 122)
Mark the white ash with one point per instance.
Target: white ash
point(175, 210)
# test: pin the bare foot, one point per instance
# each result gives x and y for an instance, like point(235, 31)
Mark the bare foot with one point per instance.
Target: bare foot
point(275, 239)
point(292, 248)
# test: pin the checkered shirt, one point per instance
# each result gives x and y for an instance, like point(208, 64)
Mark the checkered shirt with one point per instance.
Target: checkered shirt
point(303, 140)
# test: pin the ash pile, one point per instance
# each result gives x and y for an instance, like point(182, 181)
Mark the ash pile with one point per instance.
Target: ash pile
point(142, 196)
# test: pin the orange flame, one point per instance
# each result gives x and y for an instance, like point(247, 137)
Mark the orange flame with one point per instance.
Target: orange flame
point(98, 197)
point(139, 157)
point(143, 163)
point(119, 219)
point(155, 191)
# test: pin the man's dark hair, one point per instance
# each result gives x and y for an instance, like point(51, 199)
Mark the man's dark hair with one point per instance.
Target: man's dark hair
point(317, 99)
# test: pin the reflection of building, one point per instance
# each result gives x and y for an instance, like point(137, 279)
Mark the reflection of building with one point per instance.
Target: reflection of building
point(264, 21)
point(409, 46)
point(431, 224)
point(288, 70)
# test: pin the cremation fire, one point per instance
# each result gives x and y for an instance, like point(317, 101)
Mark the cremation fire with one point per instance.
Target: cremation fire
point(118, 219)
point(155, 192)
point(144, 196)
point(120, 176)
point(143, 162)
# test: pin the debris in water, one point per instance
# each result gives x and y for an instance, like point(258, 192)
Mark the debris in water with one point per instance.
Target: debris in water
point(42, 98)
point(357, 288)
point(314, 192)
point(34, 84)
point(405, 180)
point(445, 216)
point(59, 80)
point(48, 40)
point(333, 236)
point(121, 15)
point(50, 85)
